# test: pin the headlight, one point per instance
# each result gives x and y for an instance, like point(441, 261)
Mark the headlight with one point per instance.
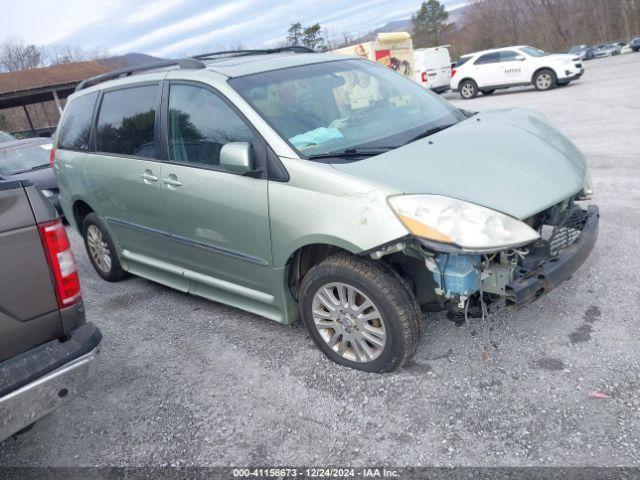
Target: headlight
point(464, 224)
point(48, 193)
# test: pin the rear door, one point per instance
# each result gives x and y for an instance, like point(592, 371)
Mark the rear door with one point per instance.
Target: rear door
point(125, 173)
point(486, 70)
point(219, 220)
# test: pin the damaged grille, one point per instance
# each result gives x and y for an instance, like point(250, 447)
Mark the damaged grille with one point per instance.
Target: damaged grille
point(567, 231)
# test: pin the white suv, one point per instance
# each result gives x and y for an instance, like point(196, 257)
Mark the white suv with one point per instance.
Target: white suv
point(507, 67)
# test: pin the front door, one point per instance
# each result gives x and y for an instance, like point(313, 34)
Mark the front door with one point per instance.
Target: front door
point(513, 68)
point(219, 220)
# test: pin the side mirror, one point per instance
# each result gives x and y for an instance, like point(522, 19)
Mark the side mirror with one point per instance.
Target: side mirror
point(520, 58)
point(237, 157)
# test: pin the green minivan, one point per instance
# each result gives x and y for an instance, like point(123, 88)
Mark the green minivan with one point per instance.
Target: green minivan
point(297, 184)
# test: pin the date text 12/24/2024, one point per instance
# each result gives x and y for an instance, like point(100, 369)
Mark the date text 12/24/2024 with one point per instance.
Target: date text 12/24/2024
point(315, 473)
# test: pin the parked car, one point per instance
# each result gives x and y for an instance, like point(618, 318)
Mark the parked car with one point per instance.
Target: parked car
point(6, 137)
point(585, 52)
point(507, 67)
point(48, 353)
point(322, 187)
point(433, 68)
point(607, 50)
point(635, 44)
point(29, 159)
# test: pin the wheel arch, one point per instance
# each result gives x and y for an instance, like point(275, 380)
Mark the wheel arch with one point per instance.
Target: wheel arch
point(306, 256)
point(80, 208)
point(538, 70)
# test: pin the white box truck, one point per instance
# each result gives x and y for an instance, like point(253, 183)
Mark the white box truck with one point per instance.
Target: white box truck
point(393, 49)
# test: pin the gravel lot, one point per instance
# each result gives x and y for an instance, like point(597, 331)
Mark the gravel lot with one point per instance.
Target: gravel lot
point(185, 381)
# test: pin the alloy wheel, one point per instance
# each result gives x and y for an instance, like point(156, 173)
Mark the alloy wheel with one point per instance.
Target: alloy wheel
point(349, 322)
point(467, 90)
point(544, 81)
point(98, 248)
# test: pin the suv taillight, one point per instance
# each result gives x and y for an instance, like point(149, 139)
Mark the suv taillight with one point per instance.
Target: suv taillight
point(453, 72)
point(52, 156)
point(63, 266)
point(424, 77)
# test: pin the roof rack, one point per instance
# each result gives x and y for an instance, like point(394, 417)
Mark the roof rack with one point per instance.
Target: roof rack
point(187, 63)
point(240, 53)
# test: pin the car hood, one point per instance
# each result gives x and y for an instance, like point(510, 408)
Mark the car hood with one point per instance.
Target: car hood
point(512, 161)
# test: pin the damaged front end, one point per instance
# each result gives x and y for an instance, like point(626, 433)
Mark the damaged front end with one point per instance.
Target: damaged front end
point(455, 278)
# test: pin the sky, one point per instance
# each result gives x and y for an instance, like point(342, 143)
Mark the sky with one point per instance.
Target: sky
point(171, 28)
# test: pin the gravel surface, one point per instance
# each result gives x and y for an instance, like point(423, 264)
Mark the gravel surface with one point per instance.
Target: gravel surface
point(184, 381)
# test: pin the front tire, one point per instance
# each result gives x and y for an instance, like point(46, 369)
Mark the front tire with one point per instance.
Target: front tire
point(359, 314)
point(545, 80)
point(101, 249)
point(468, 89)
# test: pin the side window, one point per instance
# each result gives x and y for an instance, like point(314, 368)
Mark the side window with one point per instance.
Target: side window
point(200, 123)
point(488, 58)
point(126, 122)
point(76, 123)
point(509, 56)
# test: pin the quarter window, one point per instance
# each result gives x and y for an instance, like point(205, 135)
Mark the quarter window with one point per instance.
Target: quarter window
point(76, 123)
point(200, 123)
point(126, 122)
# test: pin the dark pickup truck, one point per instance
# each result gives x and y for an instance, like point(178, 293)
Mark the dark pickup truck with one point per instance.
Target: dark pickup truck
point(48, 352)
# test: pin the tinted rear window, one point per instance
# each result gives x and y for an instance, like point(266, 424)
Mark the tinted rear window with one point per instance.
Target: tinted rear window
point(76, 123)
point(126, 122)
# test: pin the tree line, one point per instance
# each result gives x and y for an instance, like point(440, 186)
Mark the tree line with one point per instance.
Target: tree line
point(552, 25)
point(16, 54)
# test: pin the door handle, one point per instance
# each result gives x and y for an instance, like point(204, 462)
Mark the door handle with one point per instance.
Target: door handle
point(173, 182)
point(148, 176)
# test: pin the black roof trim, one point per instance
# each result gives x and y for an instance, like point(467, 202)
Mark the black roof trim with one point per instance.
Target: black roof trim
point(186, 63)
point(241, 53)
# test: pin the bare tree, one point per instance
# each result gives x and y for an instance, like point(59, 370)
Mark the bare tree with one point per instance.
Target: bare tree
point(15, 54)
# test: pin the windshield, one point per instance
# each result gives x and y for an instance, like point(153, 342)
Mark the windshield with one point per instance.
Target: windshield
point(533, 52)
point(349, 104)
point(22, 159)
point(5, 137)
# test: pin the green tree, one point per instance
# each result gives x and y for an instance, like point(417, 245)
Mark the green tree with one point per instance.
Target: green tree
point(427, 22)
point(312, 38)
point(294, 34)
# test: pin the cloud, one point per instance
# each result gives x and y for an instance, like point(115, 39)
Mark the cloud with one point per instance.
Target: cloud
point(185, 26)
point(151, 10)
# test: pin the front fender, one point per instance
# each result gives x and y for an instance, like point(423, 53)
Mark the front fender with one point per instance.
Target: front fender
point(321, 205)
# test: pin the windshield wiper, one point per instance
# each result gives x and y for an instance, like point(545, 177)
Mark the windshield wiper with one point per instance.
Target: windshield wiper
point(430, 132)
point(353, 152)
point(32, 169)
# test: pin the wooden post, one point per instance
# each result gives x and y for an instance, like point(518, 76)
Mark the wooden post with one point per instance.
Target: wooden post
point(26, 112)
point(55, 97)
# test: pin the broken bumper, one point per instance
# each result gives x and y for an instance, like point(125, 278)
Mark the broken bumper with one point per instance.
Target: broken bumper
point(37, 382)
point(528, 288)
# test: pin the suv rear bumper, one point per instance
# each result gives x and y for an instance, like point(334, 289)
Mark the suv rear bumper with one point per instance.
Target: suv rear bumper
point(37, 382)
point(528, 288)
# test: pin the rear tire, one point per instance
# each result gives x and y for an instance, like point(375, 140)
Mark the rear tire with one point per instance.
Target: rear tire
point(545, 80)
point(359, 314)
point(101, 249)
point(468, 89)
